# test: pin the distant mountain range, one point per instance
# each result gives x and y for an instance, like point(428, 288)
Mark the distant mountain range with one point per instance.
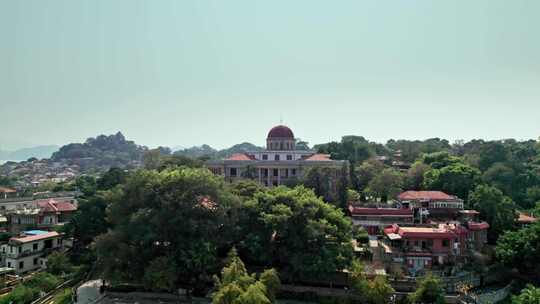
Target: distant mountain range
point(38, 152)
point(206, 150)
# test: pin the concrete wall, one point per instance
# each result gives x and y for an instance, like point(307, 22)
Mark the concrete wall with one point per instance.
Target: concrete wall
point(31, 262)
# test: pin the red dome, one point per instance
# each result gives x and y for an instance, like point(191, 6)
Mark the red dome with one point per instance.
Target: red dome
point(281, 132)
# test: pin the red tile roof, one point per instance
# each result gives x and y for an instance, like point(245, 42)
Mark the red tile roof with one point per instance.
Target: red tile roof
point(381, 211)
point(37, 237)
point(318, 157)
point(475, 226)
point(52, 205)
point(240, 156)
point(425, 195)
point(420, 232)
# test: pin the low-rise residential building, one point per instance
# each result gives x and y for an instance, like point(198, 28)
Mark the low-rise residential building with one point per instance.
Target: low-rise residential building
point(419, 247)
point(428, 229)
point(376, 219)
point(43, 214)
point(432, 203)
point(7, 192)
point(29, 251)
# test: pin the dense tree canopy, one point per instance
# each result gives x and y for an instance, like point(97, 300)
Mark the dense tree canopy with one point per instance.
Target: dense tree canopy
point(322, 181)
point(387, 183)
point(177, 215)
point(365, 172)
point(456, 179)
point(519, 249)
point(429, 291)
point(496, 208)
point(293, 230)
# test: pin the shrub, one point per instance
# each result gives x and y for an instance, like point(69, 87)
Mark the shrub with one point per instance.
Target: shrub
point(58, 263)
point(20, 295)
point(43, 281)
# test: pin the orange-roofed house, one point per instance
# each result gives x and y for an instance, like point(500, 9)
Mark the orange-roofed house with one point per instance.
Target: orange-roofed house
point(7, 192)
point(525, 219)
point(281, 162)
point(29, 251)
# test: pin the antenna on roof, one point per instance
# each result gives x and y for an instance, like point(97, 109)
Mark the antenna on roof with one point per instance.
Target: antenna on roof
point(281, 120)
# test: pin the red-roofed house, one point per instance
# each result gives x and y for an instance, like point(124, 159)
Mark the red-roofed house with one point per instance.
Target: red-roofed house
point(375, 219)
point(437, 203)
point(281, 162)
point(437, 244)
point(45, 213)
point(29, 251)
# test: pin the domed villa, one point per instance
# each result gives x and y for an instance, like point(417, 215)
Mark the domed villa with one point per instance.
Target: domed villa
point(279, 164)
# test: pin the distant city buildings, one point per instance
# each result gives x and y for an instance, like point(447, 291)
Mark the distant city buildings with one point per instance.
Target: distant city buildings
point(280, 164)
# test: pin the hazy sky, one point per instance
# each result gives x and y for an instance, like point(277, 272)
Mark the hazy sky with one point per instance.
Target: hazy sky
point(223, 72)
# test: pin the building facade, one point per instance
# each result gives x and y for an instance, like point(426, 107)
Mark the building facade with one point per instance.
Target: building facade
point(279, 164)
point(427, 229)
point(29, 251)
point(432, 203)
point(42, 214)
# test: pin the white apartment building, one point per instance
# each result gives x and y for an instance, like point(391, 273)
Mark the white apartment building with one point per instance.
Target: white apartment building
point(30, 250)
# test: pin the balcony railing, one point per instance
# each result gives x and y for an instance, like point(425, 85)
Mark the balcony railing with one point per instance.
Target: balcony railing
point(27, 253)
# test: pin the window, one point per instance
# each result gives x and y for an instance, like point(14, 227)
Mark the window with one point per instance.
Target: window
point(265, 156)
point(293, 171)
point(445, 243)
point(416, 243)
point(35, 247)
point(19, 249)
point(276, 157)
point(289, 157)
point(276, 172)
point(233, 171)
point(9, 264)
point(21, 265)
point(35, 261)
